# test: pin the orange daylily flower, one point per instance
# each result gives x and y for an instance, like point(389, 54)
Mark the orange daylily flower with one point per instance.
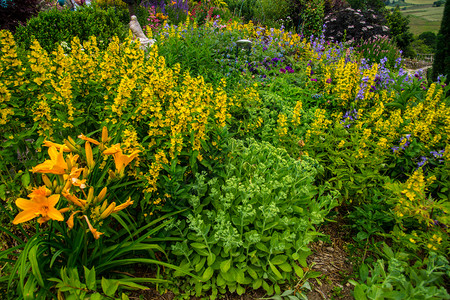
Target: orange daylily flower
point(38, 205)
point(88, 139)
point(58, 146)
point(121, 160)
point(56, 164)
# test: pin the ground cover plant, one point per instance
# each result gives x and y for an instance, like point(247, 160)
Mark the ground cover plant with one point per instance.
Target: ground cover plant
point(205, 166)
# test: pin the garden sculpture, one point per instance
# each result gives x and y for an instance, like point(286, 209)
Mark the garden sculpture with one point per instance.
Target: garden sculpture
point(139, 34)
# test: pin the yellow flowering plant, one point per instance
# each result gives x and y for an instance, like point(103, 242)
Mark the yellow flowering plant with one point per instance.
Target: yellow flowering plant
point(80, 212)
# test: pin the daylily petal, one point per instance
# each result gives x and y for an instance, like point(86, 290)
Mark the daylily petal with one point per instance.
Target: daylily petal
point(24, 216)
point(25, 204)
point(53, 199)
point(55, 214)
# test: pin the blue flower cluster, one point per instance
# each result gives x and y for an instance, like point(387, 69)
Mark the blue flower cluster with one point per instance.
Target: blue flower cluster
point(349, 117)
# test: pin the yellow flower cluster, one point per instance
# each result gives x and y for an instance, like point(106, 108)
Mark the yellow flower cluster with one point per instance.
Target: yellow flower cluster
point(319, 126)
point(347, 78)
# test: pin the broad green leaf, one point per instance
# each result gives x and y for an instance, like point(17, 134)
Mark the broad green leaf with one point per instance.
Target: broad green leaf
point(25, 179)
point(90, 278)
point(286, 267)
point(252, 273)
point(295, 256)
point(240, 290)
point(207, 274)
point(198, 245)
point(298, 270)
point(363, 272)
point(225, 265)
point(275, 271)
point(262, 247)
point(257, 283)
point(109, 286)
point(96, 296)
point(240, 277)
point(279, 259)
point(211, 258)
point(200, 264)
point(359, 293)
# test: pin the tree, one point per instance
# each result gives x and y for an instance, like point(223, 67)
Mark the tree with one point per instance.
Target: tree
point(400, 33)
point(441, 64)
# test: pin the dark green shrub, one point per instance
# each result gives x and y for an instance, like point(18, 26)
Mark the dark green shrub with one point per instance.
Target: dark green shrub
point(429, 39)
point(53, 27)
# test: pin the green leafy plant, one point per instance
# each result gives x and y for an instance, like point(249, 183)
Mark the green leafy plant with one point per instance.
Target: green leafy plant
point(251, 223)
point(395, 278)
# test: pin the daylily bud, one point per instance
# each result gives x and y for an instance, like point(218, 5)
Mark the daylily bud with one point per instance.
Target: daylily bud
point(104, 134)
point(55, 184)
point(108, 211)
point(89, 157)
point(90, 196)
point(102, 195)
point(58, 189)
point(71, 146)
point(47, 181)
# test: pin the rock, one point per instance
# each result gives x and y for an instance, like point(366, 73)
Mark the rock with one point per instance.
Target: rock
point(136, 29)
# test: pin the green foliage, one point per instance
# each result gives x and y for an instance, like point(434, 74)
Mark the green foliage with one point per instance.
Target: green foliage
point(429, 39)
point(53, 27)
point(400, 33)
point(441, 64)
point(396, 278)
point(251, 223)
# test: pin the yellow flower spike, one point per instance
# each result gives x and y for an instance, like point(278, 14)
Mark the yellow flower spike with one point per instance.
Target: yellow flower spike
point(47, 181)
point(88, 139)
point(108, 211)
point(89, 156)
point(94, 231)
point(38, 205)
point(104, 135)
point(58, 146)
point(123, 206)
point(56, 164)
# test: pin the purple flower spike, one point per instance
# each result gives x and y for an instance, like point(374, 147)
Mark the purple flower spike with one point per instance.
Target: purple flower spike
point(283, 71)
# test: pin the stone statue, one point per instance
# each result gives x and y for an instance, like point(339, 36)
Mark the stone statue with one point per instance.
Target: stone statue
point(139, 34)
